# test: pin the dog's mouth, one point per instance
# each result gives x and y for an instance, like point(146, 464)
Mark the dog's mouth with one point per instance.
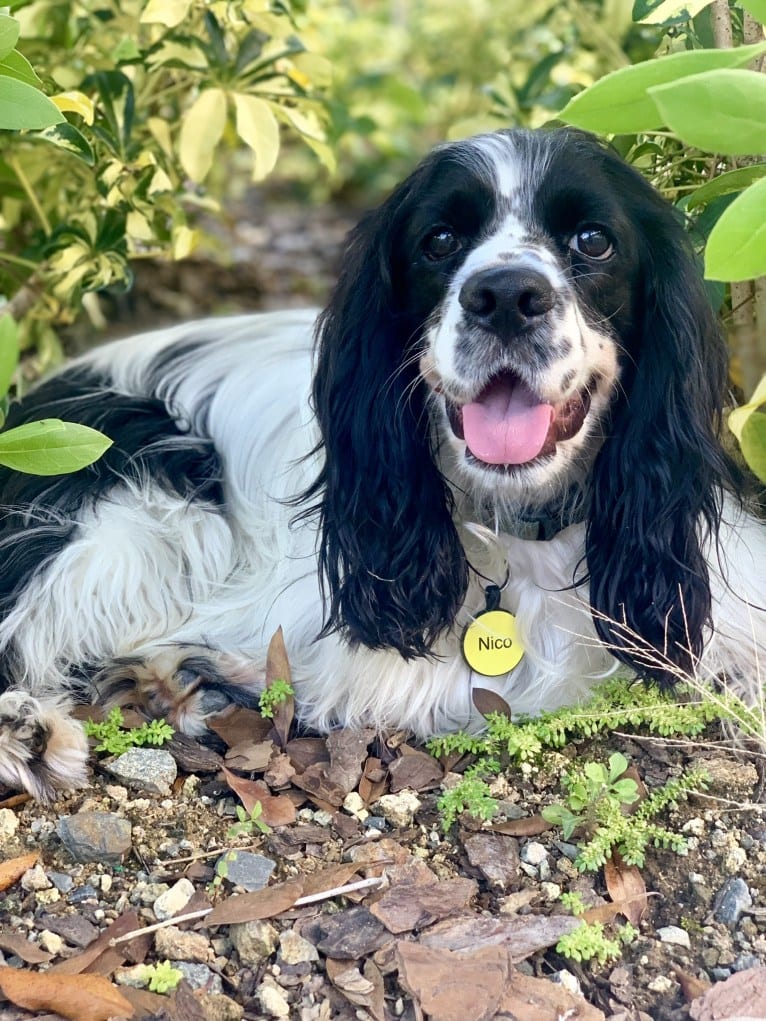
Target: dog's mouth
point(508, 424)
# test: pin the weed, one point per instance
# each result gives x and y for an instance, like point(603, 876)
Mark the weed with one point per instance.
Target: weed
point(589, 942)
point(471, 795)
point(161, 977)
point(115, 739)
point(248, 823)
point(586, 789)
point(276, 693)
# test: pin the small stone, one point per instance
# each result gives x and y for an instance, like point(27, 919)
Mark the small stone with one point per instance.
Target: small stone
point(47, 897)
point(294, 949)
point(61, 881)
point(661, 984)
point(273, 1001)
point(746, 961)
point(322, 818)
point(175, 944)
point(248, 870)
point(354, 805)
point(217, 1007)
point(35, 879)
point(199, 976)
point(496, 856)
point(96, 836)
point(82, 894)
point(134, 977)
point(51, 942)
point(550, 891)
point(674, 934)
point(73, 928)
point(730, 901)
point(398, 809)
point(150, 770)
point(695, 827)
point(174, 900)
point(533, 853)
point(9, 823)
point(106, 883)
point(377, 822)
point(253, 941)
point(568, 981)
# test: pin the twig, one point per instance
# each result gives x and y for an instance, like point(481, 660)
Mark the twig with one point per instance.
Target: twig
point(338, 891)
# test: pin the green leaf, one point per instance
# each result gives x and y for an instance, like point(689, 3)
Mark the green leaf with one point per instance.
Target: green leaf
point(617, 765)
point(620, 103)
point(23, 106)
point(755, 7)
point(51, 447)
point(9, 351)
point(14, 65)
point(67, 136)
point(201, 132)
point(722, 111)
point(753, 443)
point(736, 248)
point(9, 34)
point(667, 12)
point(726, 184)
point(257, 127)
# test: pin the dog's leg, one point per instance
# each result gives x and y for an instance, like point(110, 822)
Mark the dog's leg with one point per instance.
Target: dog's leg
point(42, 749)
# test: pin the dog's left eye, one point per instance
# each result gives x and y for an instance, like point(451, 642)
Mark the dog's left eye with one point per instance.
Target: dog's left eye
point(441, 244)
point(592, 242)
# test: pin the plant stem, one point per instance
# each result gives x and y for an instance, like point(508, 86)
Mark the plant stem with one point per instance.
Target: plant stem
point(25, 183)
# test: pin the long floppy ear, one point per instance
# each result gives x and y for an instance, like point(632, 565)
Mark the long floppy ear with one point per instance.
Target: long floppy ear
point(658, 481)
point(395, 569)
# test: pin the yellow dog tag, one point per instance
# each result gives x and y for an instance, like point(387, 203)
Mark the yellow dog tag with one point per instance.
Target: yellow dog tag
point(491, 643)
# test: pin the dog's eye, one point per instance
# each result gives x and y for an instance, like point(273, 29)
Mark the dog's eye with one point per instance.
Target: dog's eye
point(441, 244)
point(592, 242)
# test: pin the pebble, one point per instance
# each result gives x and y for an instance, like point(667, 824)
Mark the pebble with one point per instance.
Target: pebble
point(294, 949)
point(377, 822)
point(82, 894)
point(746, 961)
point(35, 879)
point(354, 805)
point(217, 1007)
point(51, 942)
point(533, 853)
point(199, 976)
point(61, 881)
point(730, 901)
point(398, 809)
point(568, 981)
point(9, 823)
point(674, 934)
point(149, 770)
point(73, 928)
point(273, 1001)
point(248, 870)
point(175, 944)
point(47, 897)
point(173, 900)
point(134, 977)
point(96, 836)
point(253, 941)
point(661, 984)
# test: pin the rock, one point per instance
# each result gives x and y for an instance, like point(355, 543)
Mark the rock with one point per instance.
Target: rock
point(674, 934)
point(730, 901)
point(253, 941)
point(199, 976)
point(351, 934)
point(61, 881)
point(74, 928)
point(51, 942)
point(9, 823)
point(273, 1001)
point(294, 949)
point(151, 770)
point(496, 856)
point(177, 945)
point(35, 879)
point(218, 1007)
point(174, 900)
point(354, 805)
point(83, 894)
point(134, 977)
point(248, 870)
point(398, 809)
point(96, 836)
point(533, 853)
point(661, 984)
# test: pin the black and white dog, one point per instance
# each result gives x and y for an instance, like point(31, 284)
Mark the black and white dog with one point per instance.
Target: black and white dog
point(518, 381)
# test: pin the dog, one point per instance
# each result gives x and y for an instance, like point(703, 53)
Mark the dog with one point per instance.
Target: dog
point(511, 406)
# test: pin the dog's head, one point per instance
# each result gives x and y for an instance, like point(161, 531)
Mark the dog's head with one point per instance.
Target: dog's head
point(521, 326)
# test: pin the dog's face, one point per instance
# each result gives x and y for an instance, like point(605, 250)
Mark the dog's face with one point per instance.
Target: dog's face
point(523, 263)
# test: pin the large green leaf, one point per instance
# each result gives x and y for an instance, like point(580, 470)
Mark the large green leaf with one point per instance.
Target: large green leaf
point(14, 65)
point(736, 248)
point(726, 184)
point(23, 106)
point(68, 137)
point(620, 103)
point(755, 7)
point(9, 34)
point(9, 351)
point(748, 424)
point(722, 111)
point(51, 447)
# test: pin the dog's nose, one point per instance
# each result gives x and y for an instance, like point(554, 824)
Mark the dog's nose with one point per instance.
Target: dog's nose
point(507, 300)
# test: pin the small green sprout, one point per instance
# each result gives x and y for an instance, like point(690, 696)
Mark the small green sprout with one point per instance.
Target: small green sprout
point(587, 789)
point(471, 795)
point(115, 740)
point(161, 977)
point(276, 693)
point(589, 942)
point(248, 823)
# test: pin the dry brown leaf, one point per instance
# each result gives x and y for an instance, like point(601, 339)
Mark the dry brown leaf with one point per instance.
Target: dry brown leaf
point(626, 887)
point(278, 669)
point(78, 997)
point(13, 869)
point(487, 702)
point(408, 906)
point(451, 986)
point(307, 751)
point(348, 752)
point(255, 906)
point(363, 989)
point(373, 783)
point(741, 997)
point(236, 724)
point(250, 756)
point(522, 935)
point(100, 957)
point(329, 878)
point(276, 810)
point(528, 826)
point(316, 782)
point(691, 986)
point(30, 953)
point(416, 770)
point(537, 999)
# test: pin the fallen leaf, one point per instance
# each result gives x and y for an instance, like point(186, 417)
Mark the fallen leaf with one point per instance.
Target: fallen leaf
point(626, 887)
point(236, 724)
point(451, 986)
point(314, 780)
point(373, 783)
point(523, 935)
point(278, 669)
point(538, 999)
point(30, 953)
point(78, 997)
point(363, 989)
point(255, 906)
point(496, 856)
point(416, 770)
point(348, 751)
point(275, 810)
point(408, 906)
point(741, 997)
point(487, 702)
point(13, 869)
point(102, 958)
point(528, 826)
point(250, 756)
point(306, 751)
point(329, 878)
point(691, 986)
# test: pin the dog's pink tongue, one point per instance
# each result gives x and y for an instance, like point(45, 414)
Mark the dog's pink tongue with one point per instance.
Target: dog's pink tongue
point(507, 424)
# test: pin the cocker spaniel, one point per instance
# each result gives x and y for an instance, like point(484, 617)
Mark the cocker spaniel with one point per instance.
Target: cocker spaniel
point(512, 407)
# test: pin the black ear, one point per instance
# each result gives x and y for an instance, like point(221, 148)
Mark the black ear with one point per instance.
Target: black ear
point(395, 569)
point(658, 482)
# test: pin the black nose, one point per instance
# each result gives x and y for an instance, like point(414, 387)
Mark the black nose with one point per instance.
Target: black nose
point(507, 300)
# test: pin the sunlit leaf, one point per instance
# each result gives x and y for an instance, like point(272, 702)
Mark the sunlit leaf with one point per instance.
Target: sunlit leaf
point(257, 127)
point(165, 12)
point(736, 248)
point(9, 34)
point(23, 106)
point(75, 102)
point(67, 136)
point(665, 12)
point(9, 351)
point(726, 184)
point(15, 65)
point(620, 103)
point(201, 131)
point(51, 447)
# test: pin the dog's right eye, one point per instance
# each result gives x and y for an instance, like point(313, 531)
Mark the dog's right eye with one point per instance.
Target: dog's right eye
point(441, 244)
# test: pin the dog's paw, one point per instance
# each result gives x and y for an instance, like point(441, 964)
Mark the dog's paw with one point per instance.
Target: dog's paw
point(42, 749)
